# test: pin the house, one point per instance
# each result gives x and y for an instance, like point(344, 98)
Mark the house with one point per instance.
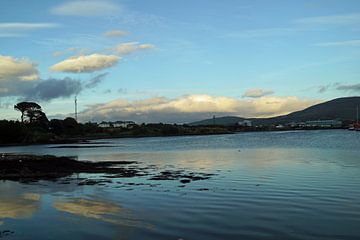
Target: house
point(245, 123)
point(123, 124)
point(117, 124)
point(104, 125)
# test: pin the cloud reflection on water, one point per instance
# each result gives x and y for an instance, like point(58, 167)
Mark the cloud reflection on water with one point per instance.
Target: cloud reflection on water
point(19, 206)
point(96, 209)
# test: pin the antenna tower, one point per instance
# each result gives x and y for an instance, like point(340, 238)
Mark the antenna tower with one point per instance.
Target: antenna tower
point(76, 108)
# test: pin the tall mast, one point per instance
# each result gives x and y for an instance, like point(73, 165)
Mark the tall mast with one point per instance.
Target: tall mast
point(75, 107)
point(357, 115)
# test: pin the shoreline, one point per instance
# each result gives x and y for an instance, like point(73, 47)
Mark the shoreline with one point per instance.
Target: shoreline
point(26, 168)
point(88, 139)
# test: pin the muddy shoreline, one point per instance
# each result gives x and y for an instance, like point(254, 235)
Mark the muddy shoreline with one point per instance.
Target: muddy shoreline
point(30, 168)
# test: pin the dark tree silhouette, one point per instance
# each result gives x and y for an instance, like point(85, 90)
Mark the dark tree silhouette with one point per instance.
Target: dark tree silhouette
point(36, 116)
point(29, 109)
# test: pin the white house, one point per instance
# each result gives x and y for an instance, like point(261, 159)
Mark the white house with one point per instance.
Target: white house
point(245, 123)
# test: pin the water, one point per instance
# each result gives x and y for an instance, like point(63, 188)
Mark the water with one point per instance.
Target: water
point(271, 185)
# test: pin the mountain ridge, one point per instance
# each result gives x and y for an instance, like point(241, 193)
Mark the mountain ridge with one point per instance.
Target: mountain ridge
point(339, 108)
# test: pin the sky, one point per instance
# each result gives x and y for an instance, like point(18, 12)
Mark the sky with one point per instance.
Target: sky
point(177, 61)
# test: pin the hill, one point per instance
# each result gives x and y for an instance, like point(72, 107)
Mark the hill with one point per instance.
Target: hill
point(223, 121)
point(339, 108)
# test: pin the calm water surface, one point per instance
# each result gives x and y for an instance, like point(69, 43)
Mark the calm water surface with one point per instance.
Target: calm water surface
point(276, 185)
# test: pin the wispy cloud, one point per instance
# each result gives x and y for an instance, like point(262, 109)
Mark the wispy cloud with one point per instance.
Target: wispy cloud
point(11, 35)
point(130, 47)
point(257, 92)
point(87, 8)
point(300, 25)
point(262, 32)
point(115, 33)
point(349, 43)
point(346, 19)
point(95, 81)
point(349, 87)
point(77, 51)
point(340, 87)
point(20, 29)
point(21, 26)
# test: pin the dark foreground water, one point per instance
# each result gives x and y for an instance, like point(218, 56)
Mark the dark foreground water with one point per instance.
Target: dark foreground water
point(276, 185)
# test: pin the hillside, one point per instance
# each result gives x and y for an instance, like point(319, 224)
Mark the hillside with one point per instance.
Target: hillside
point(340, 108)
point(223, 121)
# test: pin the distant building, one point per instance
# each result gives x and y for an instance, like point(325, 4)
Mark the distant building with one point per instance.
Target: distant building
point(104, 125)
point(117, 124)
point(324, 123)
point(245, 123)
point(123, 124)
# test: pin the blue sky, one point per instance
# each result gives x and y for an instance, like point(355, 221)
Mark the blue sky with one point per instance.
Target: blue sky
point(177, 61)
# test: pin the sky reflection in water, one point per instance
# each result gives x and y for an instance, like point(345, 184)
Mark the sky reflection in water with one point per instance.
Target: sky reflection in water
point(308, 190)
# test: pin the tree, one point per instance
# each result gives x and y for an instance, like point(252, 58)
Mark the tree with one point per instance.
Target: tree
point(29, 109)
point(36, 116)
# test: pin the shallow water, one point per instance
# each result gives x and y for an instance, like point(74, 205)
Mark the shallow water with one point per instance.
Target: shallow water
point(270, 185)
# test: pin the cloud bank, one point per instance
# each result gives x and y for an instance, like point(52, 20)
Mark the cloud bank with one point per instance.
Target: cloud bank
point(85, 63)
point(20, 78)
point(192, 107)
point(49, 89)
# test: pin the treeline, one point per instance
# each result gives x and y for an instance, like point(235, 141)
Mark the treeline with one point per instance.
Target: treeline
point(15, 132)
point(35, 127)
point(69, 130)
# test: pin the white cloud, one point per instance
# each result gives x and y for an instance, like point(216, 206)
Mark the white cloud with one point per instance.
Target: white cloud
point(87, 8)
point(17, 69)
point(257, 92)
point(192, 107)
point(115, 33)
point(85, 63)
point(350, 43)
point(130, 47)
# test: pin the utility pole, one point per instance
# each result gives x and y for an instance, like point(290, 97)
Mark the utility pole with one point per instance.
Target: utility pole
point(214, 120)
point(76, 108)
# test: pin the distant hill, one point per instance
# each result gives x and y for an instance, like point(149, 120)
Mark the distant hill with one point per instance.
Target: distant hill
point(340, 108)
point(223, 121)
